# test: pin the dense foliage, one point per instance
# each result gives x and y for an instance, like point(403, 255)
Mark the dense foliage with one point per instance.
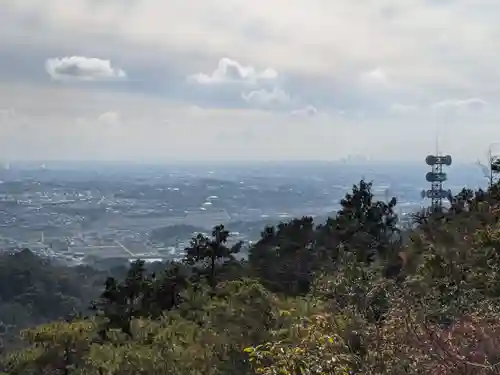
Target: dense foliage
point(34, 291)
point(353, 295)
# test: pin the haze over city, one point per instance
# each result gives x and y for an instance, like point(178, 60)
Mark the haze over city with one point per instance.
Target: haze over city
point(221, 187)
point(166, 80)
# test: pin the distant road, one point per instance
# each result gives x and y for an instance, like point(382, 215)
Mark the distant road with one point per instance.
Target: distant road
point(124, 248)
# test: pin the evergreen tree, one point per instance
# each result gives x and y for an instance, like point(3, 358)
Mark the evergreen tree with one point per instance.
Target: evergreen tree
point(207, 253)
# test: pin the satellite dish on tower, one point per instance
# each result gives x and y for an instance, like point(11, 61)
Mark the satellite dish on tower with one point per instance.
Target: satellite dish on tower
point(438, 160)
point(430, 160)
point(436, 177)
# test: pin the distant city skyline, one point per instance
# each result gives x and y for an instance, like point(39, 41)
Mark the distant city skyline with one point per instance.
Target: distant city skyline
point(356, 159)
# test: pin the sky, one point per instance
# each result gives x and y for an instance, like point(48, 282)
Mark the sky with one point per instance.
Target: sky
point(191, 80)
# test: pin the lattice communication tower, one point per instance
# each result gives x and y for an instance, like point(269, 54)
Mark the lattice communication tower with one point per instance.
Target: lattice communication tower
point(436, 177)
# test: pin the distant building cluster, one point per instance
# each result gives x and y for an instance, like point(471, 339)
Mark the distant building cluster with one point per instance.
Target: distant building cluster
point(92, 215)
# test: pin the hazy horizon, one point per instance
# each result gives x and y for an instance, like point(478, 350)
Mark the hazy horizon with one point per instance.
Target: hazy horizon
point(6, 163)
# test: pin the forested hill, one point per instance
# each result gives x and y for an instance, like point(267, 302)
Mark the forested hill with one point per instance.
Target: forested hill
point(34, 291)
point(352, 295)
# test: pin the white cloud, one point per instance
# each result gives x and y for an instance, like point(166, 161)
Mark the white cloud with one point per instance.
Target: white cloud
point(7, 113)
point(403, 108)
point(472, 104)
point(57, 133)
point(231, 71)
point(110, 118)
point(267, 98)
point(376, 76)
point(426, 44)
point(350, 55)
point(82, 68)
point(308, 111)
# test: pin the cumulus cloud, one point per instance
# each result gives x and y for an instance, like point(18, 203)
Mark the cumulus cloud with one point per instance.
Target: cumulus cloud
point(231, 71)
point(267, 98)
point(403, 108)
point(37, 135)
point(337, 54)
point(82, 68)
point(432, 44)
point(308, 111)
point(471, 104)
point(109, 118)
point(377, 76)
point(7, 113)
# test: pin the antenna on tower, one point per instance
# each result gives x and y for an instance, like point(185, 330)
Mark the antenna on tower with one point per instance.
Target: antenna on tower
point(437, 142)
point(436, 177)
